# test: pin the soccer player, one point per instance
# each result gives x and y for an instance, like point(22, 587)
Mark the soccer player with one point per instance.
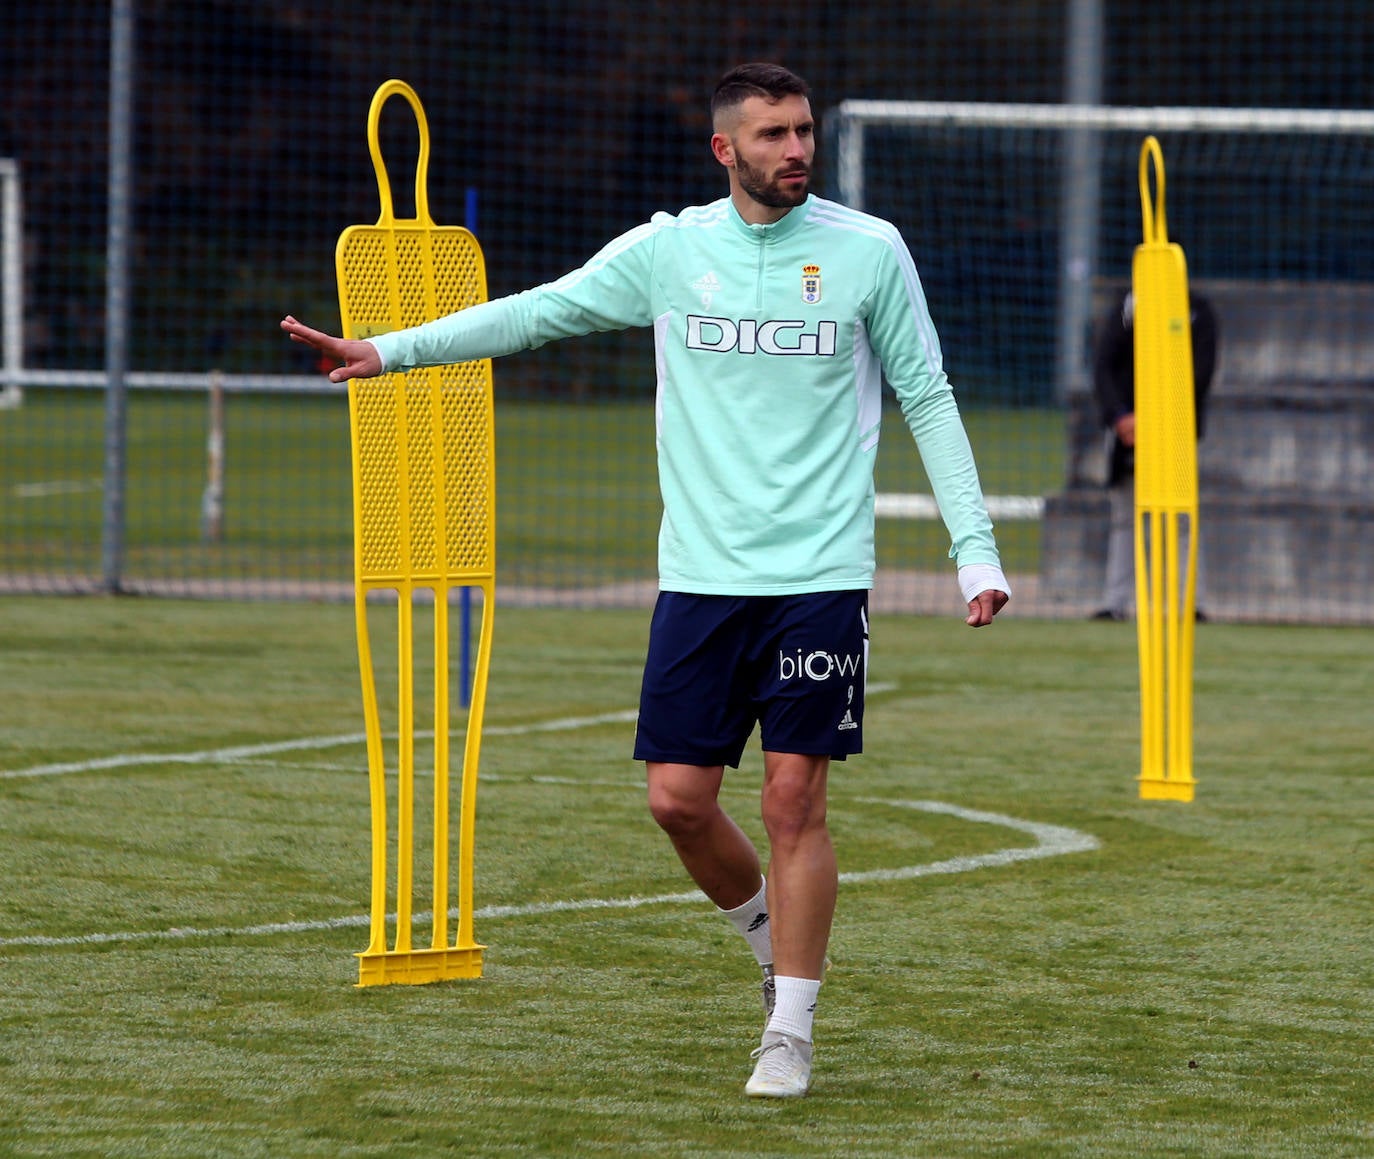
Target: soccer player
point(776, 315)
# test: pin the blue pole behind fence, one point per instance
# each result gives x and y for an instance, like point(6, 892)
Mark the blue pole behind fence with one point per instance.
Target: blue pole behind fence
point(465, 678)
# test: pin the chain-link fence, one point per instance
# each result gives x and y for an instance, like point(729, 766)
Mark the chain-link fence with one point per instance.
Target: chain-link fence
point(212, 208)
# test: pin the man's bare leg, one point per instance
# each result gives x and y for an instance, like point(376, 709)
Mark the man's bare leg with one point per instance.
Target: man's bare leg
point(802, 874)
point(802, 883)
point(714, 850)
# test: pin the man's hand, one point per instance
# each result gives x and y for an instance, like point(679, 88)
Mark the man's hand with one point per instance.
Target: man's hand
point(360, 359)
point(984, 606)
point(1125, 429)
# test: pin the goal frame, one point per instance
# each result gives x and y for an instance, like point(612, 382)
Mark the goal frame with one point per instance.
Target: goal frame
point(855, 115)
point(1080, 182)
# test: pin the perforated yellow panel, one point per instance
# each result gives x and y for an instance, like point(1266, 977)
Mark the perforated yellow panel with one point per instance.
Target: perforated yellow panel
point(424, 520)
point(423, 440)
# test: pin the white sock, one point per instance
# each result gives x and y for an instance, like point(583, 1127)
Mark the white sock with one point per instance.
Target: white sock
point(796, 1007)
point(751, 919)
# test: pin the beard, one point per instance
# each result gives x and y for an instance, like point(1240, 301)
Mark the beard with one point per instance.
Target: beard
point(756, 184)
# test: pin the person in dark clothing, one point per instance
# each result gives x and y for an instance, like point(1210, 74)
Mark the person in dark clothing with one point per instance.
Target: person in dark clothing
point(1114, 388)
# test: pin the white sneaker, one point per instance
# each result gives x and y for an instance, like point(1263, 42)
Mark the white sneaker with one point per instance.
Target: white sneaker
point(783, 1070)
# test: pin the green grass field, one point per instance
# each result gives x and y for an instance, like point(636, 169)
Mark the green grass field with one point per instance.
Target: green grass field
point(577, 494)
point(183, 847)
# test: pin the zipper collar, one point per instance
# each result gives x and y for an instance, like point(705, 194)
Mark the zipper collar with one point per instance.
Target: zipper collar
point(774, 231)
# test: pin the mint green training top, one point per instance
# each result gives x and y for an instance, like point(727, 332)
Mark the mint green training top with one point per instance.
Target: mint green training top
point(771, 344)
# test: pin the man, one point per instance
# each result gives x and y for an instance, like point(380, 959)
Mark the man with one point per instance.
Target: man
point(775, 314)
point(1114, 389)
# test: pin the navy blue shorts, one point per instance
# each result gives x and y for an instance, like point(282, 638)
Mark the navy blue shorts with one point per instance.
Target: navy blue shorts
point(718, 665)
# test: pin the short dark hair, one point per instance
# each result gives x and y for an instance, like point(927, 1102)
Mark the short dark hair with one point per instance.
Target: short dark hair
point(759, 79)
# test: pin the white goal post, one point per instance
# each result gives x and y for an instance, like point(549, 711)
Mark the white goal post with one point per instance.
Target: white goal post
point(11, 284)
point(15, 374)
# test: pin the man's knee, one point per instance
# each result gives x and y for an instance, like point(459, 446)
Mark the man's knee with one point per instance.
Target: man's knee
point(794, 796)
point(682, 801)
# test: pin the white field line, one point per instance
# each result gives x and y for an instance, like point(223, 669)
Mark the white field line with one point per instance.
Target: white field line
point(1051, 841)
point(245, 752)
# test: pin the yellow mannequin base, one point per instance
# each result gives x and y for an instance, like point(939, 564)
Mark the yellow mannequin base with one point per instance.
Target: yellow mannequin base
point(1161, 790)
point(416, 967)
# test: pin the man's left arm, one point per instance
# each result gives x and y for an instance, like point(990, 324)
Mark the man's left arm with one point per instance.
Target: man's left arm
point(905, 340)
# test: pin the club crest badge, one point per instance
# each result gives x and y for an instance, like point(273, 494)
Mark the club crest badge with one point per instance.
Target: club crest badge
point(811, 284)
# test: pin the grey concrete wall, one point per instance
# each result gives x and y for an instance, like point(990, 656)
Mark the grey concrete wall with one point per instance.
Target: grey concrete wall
point(1286, 471)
